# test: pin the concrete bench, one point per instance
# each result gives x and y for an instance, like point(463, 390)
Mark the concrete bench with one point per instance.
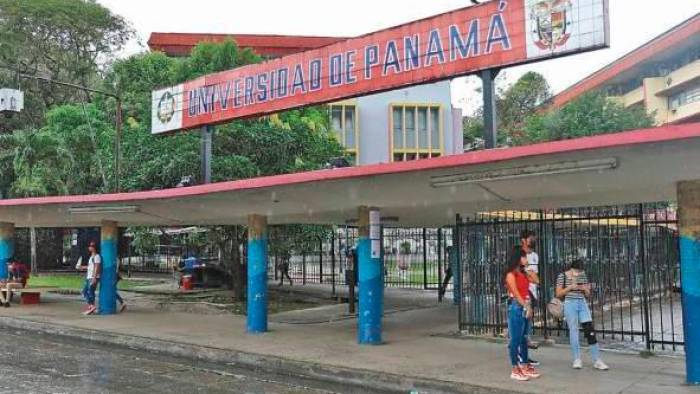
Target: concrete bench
point(30, 295)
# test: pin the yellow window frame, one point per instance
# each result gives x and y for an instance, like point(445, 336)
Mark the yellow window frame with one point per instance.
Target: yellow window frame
point(340, 134)
point(431, 151)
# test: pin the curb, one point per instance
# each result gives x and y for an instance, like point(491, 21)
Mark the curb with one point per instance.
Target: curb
point(351, 377)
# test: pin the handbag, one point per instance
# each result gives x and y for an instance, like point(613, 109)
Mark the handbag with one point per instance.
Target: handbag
point(555, 307)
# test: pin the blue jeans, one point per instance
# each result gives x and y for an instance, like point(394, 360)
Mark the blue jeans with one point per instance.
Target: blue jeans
point(517, 329)
point(89, 292)
point(576, 311)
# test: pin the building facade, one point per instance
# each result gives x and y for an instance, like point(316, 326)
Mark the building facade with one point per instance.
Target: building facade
point(662, 76)
point(401, 125)
point(407, 124)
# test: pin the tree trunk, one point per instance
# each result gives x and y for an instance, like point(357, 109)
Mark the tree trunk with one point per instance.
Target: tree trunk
point(230, 246)
point(32, 249)
point(237, 276)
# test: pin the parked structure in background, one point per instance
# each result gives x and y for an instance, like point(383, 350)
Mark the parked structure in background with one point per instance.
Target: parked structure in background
point(401, 125)
point(662, 76)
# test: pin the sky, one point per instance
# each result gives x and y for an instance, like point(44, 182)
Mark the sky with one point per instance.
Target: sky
point(633, 22)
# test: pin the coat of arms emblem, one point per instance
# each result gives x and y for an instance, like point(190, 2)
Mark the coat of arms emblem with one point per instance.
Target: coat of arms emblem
point(551, 23)
point(166, 107)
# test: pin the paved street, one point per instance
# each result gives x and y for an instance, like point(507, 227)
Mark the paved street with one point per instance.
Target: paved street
point(33, 363)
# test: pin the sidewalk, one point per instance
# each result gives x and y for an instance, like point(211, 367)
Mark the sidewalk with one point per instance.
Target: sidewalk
point(415, 348)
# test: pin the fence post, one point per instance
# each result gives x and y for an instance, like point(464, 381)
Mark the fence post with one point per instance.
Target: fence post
point(303, 268)
point(320, 260)
point(425, 260)
point(333, 262)
point(457, 275)
point(439, 253)
point(645, 277)
point(543, 272)
point(128, 269)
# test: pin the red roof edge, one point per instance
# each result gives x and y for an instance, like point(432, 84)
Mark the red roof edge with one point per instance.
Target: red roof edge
point(662, 134)
point(664, 41)
point(264, 44)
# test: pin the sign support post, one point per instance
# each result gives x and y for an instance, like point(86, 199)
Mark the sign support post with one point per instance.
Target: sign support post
point(488, 78)
point(206, 137)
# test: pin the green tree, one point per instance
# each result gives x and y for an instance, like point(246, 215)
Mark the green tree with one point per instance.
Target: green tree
point(525, 119)
point(289, 142)
point(590, 114)
point(36, 163)
point(514, 103)
point(65, 40)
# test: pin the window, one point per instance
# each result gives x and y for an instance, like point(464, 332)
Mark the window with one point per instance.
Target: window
point(416, 131)
point(687, 96)
point(344, 125)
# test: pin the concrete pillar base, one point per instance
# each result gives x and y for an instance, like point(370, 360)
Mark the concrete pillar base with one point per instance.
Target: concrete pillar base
point(7, 247)
point(371, 278)
point(257, 274)
point(109, 236)
point(689, 223)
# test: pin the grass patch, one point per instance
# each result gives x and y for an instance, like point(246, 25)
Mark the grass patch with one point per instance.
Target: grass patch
point(76, 282)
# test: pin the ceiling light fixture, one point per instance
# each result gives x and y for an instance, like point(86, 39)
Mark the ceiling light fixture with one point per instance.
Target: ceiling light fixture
point(103, 209)
point(565, 167)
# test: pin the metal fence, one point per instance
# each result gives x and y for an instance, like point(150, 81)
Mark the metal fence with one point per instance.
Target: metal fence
point(165, 259)
point(414, 258)
point(631, 257)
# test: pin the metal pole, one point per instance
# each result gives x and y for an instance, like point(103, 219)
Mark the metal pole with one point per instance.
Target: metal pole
point(320, 260)
point(439, 253)
point(425, 261)
point(333, 262)
point(128, 269)
point(490, 115)
point(206, 142)
point(542, 269)
point(645, 276)
point(457, 274)
point(303, 268)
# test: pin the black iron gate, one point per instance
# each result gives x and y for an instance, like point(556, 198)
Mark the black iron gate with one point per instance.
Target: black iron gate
point(414, 258)
point(631, 257)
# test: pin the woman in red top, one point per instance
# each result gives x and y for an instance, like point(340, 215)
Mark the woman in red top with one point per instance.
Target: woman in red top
point(519, 311)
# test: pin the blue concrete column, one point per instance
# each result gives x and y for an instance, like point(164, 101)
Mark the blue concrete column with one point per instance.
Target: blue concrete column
point(371, 283)
point(689, 223)
point(257, 274)
point(7, 247)
point(109, 235)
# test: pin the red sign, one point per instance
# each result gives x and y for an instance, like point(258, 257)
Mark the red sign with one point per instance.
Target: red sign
point(465, 41)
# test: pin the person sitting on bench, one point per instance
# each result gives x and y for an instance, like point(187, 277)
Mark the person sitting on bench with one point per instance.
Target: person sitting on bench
point(18, 275)
point(4, 294)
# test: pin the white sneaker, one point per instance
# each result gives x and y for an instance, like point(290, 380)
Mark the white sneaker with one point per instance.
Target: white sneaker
point(600, 365)
point(578, 364)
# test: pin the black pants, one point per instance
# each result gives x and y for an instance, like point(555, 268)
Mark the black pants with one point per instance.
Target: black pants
point(285, 273)
point(445, 282)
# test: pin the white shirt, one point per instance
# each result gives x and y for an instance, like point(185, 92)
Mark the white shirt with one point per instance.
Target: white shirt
point(94, 260)
point(533, 261)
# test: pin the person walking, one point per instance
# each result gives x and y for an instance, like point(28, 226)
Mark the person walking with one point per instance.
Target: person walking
point(448, 274)
point(93, 271)
point(284, 267)
point(519, 311)
point(528, 240)
point(120, 300)
point(573, 287)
